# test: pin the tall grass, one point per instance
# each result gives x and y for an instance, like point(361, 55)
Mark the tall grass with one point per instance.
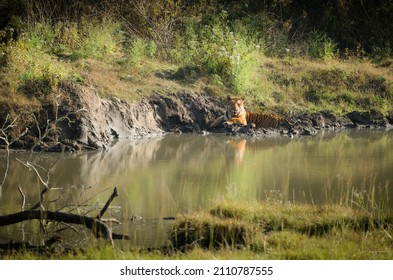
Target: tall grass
point(290, 231)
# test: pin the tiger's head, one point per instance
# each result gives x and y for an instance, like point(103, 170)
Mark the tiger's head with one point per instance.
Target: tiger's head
point(235, 107)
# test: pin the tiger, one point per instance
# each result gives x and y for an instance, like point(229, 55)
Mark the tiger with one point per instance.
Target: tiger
point(237, 114)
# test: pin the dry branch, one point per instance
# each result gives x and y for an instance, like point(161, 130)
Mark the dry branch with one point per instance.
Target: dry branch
point(99, 229)
point(103, 210)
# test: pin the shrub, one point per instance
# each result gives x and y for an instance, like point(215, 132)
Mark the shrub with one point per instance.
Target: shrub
point(138, 51)
point(98, 39)
point(321, 46)
point(68, 38)
point(89, 38)
point(32, 60)
point(151, 49)
point(219, 49)
point(30, 68)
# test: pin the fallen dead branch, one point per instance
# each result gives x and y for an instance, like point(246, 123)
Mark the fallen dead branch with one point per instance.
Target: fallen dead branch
point(102, 212)
point(98, 227)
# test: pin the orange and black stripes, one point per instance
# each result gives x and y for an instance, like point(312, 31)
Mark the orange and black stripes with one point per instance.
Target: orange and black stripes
point(265, 120)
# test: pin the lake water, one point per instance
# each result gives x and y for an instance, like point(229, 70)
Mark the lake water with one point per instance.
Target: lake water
point(160, 178)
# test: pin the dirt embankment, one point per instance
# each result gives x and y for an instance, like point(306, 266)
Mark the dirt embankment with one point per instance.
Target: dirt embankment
point(87, 121)
point(92, 121)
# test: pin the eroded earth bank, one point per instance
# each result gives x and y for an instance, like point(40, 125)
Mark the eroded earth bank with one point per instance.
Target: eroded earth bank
point(80, 119)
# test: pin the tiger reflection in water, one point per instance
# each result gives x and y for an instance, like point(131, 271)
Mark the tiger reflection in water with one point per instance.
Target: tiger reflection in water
point(235, 150)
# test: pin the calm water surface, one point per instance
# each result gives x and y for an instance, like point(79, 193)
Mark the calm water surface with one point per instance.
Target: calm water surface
point(163, 177)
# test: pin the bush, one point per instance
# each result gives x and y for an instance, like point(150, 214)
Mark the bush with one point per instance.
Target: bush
point(227, 53)
point(321, 46)
point(98, 39)
point(29, 66)
point(139, 50)
point(32, 60)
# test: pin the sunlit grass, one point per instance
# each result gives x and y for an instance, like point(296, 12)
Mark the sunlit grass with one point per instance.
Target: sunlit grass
point(278, 231)
point(293, 85)
point(258, 231)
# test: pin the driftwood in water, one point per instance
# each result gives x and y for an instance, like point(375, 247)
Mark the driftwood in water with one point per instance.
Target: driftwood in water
point(99, 229)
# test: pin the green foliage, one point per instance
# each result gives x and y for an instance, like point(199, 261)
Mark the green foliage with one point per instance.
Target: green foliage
point(87, 39)
point(321, 46)
point(348, 23)
point(228, 54)
point(98, 39)
point(382, 53)
point(30, 68)
point(139, 51)
point(67, 38)
point(151, 49)
point(35, 59)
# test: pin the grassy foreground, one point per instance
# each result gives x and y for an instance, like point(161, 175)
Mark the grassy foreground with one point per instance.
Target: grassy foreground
point(234, 230)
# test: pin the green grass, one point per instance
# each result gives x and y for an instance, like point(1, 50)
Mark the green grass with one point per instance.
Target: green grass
point(277, 231)
point(234, 230)
point(295, 86)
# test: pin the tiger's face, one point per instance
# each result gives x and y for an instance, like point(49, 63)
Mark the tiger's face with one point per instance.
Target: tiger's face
point(235, 106)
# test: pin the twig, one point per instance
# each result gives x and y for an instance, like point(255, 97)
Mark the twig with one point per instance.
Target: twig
point(23, 198)
point(111, 221)
point(31, 166)
point(8, 143)
point(113, 195)
point(34, 166)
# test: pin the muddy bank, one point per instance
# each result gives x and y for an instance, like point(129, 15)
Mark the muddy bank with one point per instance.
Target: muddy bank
point(84, 120)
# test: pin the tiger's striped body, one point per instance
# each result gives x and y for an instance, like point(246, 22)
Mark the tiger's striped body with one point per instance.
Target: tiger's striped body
point(265, 120)
point(237, 114)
